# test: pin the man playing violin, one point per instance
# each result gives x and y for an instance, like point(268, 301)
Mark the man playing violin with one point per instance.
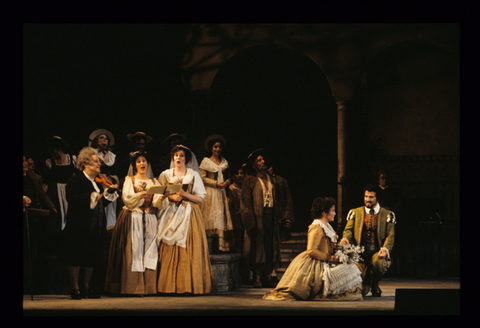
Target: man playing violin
point(84, 233)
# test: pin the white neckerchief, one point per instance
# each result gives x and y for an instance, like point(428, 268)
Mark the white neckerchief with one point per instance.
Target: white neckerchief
point(111, 157)
point(208, 165)
point(327, 228)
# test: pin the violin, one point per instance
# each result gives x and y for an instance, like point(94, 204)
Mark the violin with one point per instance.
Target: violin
point(105, 181)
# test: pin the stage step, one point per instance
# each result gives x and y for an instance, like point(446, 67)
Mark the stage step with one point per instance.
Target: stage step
point(290, 249)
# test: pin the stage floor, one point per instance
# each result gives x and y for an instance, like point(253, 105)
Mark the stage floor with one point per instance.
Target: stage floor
point(246, 301)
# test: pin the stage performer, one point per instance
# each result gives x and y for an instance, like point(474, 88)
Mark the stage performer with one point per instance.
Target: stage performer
point(215, 174)
point(260, 220)
point(59, 168)
point(133, 256)
point(165, 162)
point(183, 262)
point(316, 274)
point(103, 141)
point(84, 233)
point(373, 227)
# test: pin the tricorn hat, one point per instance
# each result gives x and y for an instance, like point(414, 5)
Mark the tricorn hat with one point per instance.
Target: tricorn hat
point(98, 132)
point(139, 134)
point(182, 137)
point(211, 137)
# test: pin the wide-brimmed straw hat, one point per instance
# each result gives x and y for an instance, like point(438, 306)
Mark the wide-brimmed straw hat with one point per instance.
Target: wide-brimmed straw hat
point(182, 137)
point(211, 137)
point(98, 132)
point(139, 134)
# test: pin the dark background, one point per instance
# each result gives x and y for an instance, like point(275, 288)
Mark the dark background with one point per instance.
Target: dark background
point(126, 78)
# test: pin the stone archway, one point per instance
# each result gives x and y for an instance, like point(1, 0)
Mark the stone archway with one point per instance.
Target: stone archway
point(279, 99)
point(409, 103)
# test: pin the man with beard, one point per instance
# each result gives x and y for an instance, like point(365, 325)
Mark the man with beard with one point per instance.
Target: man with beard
point(260, 219)
point(372, 227)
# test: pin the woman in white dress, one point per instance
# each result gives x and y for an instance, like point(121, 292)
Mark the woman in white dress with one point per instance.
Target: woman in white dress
point(183, 261)
point(133, 255)
point(215, 174)
point(315, 273)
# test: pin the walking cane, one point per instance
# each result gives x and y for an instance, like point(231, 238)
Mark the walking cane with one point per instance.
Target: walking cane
point(29, 251)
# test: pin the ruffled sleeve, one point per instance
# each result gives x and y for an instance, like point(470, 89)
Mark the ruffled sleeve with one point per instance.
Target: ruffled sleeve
point(163, 178)
point(130, 198)
point(198, 187)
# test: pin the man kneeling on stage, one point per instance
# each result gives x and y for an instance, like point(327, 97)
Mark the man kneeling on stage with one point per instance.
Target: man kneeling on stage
point(372, 227)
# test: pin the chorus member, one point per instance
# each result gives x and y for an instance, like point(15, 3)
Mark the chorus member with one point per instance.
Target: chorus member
point(308, 277)
point(59, 168)
point(39, 231)
point(234, 204)
point(285, 203)
point(84, 233)
point(133, 256)
point(260, 219)
point(103, 141)
point(31, 168)
point(372, 227)
point(139, 141)
point(165, 160)
point(391, 197)
point(184, 261)
point(215, 174)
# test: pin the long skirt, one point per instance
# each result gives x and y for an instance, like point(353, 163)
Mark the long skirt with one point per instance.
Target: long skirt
point(186, 270)
point(304, 280)
point(217, 218)
point(120, 279)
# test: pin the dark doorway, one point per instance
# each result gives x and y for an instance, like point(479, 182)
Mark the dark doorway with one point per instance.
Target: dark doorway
point(278, 99)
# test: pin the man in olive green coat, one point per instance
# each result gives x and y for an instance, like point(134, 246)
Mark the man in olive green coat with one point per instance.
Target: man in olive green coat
point(372, 227)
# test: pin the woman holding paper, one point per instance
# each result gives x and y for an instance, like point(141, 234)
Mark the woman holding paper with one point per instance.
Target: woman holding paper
point(133, 256)
point(184, 261)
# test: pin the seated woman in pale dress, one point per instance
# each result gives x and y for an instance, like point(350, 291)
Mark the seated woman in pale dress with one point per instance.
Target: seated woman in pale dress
point(133, 255)
point(183, 262)
point(215, 174)
point(315, 273)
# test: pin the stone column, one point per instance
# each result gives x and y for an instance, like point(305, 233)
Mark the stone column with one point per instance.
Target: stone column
point(341, 156)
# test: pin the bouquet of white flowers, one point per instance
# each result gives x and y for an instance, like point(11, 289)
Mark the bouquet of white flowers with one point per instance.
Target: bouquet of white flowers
point(349, 254)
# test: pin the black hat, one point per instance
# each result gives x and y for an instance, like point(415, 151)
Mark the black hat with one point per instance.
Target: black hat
point(138, 134)
point(57, 142)
point(182, 137)
point(252, 157)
